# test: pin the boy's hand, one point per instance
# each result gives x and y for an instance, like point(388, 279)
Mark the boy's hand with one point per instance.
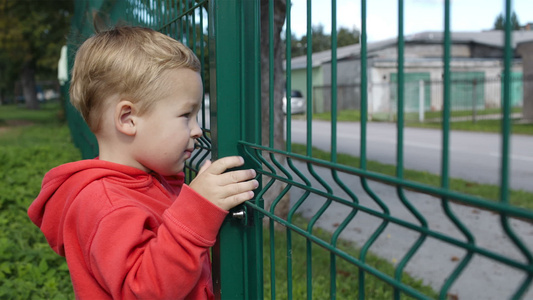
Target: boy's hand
point(225, 190)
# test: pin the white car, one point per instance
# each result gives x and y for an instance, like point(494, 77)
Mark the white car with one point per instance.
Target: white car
point(297, 103)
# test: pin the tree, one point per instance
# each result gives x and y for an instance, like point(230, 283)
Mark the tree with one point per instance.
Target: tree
point(31, 36)
point(297, 46)
point(499, 23)
point(322, 41)
point(347, 36)
point(6, 76)
point(280, 9)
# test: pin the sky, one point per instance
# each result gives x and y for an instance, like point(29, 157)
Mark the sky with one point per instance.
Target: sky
point(419, 15)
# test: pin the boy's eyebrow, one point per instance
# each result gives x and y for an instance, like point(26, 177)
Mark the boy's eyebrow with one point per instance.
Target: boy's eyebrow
point(194, 105)
point(197, 106)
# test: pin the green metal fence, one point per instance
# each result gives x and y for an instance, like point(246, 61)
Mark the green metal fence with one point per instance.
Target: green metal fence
point(373, 204)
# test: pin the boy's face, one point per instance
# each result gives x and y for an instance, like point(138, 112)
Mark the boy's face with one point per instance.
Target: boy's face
point(166, 134)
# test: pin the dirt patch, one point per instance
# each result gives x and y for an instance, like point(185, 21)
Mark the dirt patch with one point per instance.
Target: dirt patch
point(17, 123)
point(6, 125)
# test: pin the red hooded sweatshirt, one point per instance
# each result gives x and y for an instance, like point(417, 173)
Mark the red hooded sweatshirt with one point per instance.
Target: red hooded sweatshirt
point(127, 234)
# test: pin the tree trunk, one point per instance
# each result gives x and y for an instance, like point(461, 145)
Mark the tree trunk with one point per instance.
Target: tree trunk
point(280, 8)
point(27, 79)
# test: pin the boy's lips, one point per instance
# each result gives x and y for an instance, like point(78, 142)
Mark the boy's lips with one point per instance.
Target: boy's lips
point(188, 153)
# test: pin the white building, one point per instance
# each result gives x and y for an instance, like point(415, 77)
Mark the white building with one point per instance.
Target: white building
point(476, 66)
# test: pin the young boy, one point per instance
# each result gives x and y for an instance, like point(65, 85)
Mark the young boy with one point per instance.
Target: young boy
point(126, 223)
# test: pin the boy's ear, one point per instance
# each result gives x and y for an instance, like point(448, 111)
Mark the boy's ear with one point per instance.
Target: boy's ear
point(125, 118)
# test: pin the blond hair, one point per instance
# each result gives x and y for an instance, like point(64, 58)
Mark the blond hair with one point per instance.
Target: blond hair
point(128, 62)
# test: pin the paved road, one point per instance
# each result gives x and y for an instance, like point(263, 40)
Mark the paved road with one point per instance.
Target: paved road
point(473, 156)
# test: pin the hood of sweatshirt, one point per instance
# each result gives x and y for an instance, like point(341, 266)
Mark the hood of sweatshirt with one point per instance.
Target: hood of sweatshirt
point(62, 184)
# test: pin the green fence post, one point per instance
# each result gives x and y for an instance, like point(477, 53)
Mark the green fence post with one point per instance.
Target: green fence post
point(235, 91)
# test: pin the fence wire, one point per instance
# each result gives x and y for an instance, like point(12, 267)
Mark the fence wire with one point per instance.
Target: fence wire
point(377, 232)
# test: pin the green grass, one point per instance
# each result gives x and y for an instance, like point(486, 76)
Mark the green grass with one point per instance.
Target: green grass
point(347, 274)
point(518, 198)
point(348, 115)
point(490, 126)
point(411, 120)
point(428, 115)
point(352, 115)
point(431, 116)
point(50, 113)
point(37, 142)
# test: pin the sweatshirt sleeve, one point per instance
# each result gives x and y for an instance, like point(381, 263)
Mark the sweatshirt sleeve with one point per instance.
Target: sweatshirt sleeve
point(133, 255)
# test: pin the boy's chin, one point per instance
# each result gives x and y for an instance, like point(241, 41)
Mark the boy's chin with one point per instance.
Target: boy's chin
point(172, 172)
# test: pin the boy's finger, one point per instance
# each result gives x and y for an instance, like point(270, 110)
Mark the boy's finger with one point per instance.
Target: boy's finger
point(239, 198)
point(237, 176)
point(240, 188)
point(204, 167)
point(221, 165)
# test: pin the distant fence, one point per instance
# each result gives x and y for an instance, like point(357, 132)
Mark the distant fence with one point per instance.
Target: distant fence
point(348, 97)
point(480, 96)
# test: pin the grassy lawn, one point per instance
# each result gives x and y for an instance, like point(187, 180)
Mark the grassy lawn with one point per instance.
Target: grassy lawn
point(411, 120)
point(348, 115)
point(50, 113)
point(491, 126)
point(435, 116)
point(31, 143)
point(428, 115)
point(347, 274)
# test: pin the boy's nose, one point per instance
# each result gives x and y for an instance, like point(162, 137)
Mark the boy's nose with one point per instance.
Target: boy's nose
point(196, 131)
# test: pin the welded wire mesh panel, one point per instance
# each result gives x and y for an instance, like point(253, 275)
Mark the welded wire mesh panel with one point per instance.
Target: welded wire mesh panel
point(342, 226)
point(337, 224)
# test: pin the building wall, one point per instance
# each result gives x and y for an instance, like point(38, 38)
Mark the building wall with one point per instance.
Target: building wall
point(469, 61)
point(380, 81)
point(487, 85)
point(348, 85)
point(478, 50)
point(299, 82)
point(422, 51)
point(526, 50)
